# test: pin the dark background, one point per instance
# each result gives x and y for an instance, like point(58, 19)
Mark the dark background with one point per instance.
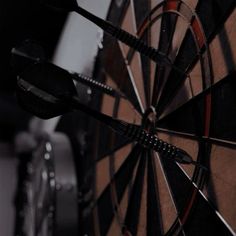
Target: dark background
point(21, 20)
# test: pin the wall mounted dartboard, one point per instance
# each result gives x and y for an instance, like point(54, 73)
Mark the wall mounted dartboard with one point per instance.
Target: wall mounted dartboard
point(171, 168)
point(188, 102)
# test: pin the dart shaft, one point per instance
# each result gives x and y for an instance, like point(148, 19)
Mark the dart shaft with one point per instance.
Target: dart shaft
point(132, 132)
point(136, 133)
point(125, 37)
point(97, 85)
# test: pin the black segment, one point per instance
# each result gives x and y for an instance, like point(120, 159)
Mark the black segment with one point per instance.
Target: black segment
point(204, 220)
point(117, 145)
point(179, 184)
point(116, 11)
point(154, 220)
point(121, 179)
point(168, 24)
point(183, 61)
point(125, 173)
point(141, 8)
point(108, 141)
point(188, 118)
point(145, 63)
point(187, 52)
point(140, 14)
point(115, 66)
point(217, 13)
point(223, 109)
point(133, 211)
point(105, 216)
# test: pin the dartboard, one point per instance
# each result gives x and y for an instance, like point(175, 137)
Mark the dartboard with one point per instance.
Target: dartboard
point(189, 102)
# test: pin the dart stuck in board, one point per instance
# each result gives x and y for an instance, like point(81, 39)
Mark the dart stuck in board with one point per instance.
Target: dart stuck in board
point(47, 91)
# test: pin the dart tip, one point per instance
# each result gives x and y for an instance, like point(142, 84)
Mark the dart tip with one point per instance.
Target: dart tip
point(183, 157)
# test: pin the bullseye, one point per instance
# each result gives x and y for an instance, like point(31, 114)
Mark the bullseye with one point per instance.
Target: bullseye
point(149, 119)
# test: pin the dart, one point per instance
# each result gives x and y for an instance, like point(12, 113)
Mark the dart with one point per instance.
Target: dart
point(48, 91)
point(30, 52)
point(116, 32)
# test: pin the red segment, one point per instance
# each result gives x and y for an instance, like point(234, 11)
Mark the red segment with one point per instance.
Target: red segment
point(198, 33)
point(171, 5)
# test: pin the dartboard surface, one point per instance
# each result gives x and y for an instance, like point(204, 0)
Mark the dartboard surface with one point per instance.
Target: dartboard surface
point(190, 104)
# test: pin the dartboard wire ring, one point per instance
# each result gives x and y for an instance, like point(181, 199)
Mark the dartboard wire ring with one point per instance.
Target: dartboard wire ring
point(147, 24)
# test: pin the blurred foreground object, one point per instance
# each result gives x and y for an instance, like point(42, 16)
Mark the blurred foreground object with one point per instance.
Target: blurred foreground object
point(50, 190)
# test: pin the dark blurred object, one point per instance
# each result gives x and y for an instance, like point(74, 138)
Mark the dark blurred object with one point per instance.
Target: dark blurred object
point(25, 55)
point(47, 203)
point(13, 119)
point(20, 20)
point(45, 90)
